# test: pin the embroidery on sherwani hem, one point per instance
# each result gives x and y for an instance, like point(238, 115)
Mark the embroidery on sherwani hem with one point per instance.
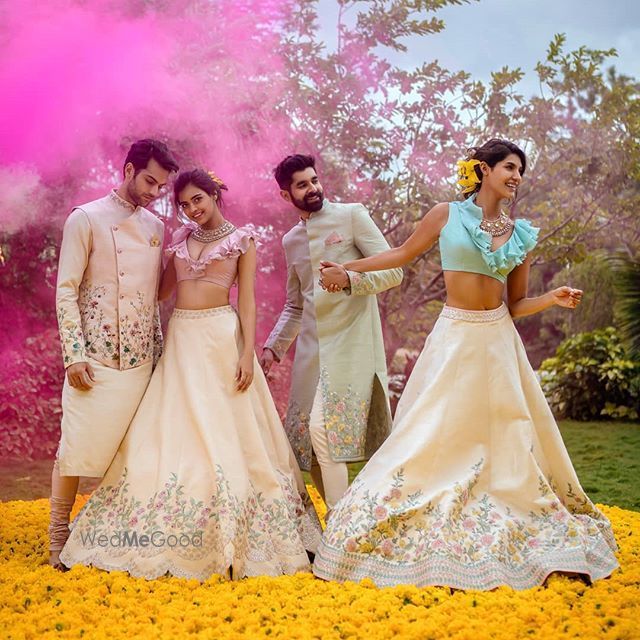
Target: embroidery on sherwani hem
point(463, 536)
point(345, 418)
point(257, 529)
point(296, 426)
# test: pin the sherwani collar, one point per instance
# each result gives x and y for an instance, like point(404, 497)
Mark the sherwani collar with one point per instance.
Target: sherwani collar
point(122, 203)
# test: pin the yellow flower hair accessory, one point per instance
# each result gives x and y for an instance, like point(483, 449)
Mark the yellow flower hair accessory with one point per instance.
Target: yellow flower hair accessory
point(467, 176)
point(217, 180)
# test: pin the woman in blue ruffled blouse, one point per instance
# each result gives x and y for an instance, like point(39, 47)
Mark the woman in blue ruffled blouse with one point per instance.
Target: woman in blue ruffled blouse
point(474, 487)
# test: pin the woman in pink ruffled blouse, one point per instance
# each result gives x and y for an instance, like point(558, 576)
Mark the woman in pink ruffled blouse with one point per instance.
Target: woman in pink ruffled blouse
point(205, 481)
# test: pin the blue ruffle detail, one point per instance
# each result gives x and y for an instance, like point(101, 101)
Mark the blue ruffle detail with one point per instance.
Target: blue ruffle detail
point(504, 259)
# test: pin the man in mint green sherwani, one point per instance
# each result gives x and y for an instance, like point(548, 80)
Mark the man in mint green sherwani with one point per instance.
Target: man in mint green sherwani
point(338, 405)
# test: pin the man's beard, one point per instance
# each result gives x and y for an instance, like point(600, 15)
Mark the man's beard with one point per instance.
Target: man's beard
point(311, 207)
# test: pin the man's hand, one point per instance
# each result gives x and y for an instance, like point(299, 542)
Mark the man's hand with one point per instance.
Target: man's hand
point(80, 376)
point(266, 360)
point(333, 277)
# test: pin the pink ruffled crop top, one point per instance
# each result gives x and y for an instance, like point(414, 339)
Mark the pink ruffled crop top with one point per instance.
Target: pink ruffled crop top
point(218, 265)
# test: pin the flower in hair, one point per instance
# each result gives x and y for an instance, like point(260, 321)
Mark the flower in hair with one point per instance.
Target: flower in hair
point(215, 178)
point(467, 176)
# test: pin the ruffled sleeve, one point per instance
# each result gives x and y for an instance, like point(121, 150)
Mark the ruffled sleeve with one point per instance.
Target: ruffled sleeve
point(178, 238)
point(231, 246)
point(504, 259)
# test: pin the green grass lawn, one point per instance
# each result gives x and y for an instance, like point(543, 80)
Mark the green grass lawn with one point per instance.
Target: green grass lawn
point(606, 456)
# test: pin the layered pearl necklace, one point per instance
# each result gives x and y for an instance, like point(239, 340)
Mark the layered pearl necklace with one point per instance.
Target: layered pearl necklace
point(498, 227)
point(211, 235)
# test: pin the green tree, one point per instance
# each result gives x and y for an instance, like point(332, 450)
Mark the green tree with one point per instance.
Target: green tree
point(390, 137)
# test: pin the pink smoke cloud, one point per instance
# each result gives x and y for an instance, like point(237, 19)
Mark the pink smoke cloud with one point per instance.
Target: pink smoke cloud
point(87, 78)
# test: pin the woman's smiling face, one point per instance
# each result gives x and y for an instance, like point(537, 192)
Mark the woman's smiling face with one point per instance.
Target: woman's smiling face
point(505, 177)
point(196, 204)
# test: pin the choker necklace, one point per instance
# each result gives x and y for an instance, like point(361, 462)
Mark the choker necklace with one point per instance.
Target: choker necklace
point(497, 227)
point(210, 235)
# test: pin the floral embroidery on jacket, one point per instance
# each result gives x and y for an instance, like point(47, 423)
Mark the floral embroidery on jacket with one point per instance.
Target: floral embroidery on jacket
point(136, 340)
point(100, 338)
point(158, 338)
point(362, 284)
point(71, 338)
point(137, 333)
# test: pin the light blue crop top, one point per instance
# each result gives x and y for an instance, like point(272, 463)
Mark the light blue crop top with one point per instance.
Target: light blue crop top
point(466, 247)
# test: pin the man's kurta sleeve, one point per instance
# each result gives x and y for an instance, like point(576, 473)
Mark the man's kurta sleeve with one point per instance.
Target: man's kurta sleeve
point(370, 241)
point(286, 329)
point(74, 257)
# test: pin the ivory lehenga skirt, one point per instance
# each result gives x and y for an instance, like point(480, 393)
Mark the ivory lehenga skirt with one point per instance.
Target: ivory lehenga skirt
point(474, 487)
point(205, 479)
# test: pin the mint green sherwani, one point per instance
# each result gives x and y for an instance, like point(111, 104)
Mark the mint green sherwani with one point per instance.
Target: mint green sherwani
point(339, 335)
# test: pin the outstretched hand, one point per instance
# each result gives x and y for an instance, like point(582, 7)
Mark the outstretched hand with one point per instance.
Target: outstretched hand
point(333, 276)
point(567, 297)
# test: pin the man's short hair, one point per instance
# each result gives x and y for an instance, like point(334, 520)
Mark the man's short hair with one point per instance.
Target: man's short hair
point(142, 151)
point(284, 171)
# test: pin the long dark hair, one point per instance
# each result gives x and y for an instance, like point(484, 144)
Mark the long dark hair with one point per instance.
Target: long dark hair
point(201, 179)
point(492, 152)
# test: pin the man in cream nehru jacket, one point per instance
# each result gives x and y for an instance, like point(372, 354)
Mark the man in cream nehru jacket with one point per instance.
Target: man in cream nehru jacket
point(107, 307)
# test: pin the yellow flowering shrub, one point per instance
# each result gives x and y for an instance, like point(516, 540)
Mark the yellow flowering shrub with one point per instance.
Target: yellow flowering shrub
point(39, 602)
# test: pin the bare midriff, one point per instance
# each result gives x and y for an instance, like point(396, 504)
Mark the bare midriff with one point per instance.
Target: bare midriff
point(472, 291)
point(197, 294)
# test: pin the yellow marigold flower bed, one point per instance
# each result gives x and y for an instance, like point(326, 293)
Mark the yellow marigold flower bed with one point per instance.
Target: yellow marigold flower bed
point(38, 602)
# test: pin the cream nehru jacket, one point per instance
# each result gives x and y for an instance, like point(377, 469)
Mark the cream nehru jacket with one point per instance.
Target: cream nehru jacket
point(108, 275)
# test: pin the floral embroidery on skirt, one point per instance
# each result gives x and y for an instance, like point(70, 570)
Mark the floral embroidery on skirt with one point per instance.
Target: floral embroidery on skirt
point(205, 479)
point(473, 488)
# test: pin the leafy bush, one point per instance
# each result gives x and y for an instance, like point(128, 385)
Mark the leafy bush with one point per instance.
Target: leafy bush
point(31, 381)
point(592, 376)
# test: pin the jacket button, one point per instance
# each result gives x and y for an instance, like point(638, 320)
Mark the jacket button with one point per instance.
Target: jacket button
point(115, 227)
point(121, 297)
point(119, 250)
point(122, 273)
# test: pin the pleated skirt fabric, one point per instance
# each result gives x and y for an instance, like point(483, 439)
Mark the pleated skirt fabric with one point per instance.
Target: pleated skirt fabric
point(205, 481)
point(474, 487)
